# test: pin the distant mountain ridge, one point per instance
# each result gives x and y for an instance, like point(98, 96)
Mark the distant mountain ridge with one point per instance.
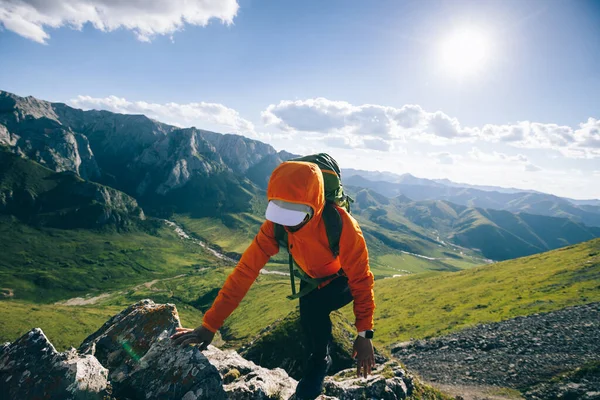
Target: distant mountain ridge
point(530, 202)
point(498, 234)
point(411, 179)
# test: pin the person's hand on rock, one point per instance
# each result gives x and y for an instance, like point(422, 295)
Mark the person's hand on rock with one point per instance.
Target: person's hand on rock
point(200, 335)
point(365, 356)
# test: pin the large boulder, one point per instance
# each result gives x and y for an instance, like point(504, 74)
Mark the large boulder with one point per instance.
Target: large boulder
point(125, 338)
point(135, 346)
point(31, 368)
point(168, 372)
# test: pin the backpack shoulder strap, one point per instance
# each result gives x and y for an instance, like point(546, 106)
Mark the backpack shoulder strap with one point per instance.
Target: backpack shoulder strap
point(333, 227)
point(281, 235)
point(282, 238)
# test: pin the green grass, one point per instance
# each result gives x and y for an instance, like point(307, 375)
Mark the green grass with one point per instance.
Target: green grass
point(432, 304)
point(234, 238)
point(403, 264)
point(46, 265)
point(416, 306)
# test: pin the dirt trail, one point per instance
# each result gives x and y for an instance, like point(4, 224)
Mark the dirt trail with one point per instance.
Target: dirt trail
point(80, 301)
point(148, 285)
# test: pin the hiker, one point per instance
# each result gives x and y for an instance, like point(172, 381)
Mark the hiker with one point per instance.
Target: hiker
point(297, 203)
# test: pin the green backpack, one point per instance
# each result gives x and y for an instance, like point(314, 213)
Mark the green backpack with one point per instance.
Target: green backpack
point(334, 195)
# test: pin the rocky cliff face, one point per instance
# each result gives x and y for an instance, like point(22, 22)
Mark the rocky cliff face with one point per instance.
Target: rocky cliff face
point(131, 358)
point(132, 153)
point(32, 128)
point(40, 196)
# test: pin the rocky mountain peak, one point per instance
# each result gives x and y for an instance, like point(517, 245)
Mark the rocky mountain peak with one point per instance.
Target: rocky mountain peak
point(26, 107)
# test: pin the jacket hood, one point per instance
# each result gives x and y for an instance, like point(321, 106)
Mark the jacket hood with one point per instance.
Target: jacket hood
point(298, 182)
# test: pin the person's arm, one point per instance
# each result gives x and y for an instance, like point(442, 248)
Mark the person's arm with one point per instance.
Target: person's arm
point(233, 291)
point(354, 258)
point(263, 247)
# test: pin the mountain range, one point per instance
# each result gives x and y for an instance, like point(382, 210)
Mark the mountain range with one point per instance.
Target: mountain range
point(165, 168)
point(169, 170)
point(513, 200)
point(497, 234)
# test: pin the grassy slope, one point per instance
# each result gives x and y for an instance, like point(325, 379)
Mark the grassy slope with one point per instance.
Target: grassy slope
point(432, 304)
point(415, 306)
point(53, 264)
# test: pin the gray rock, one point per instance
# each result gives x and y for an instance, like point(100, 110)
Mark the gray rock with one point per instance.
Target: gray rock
point(388, 382)
point(6, 138)
point(31, 368)
point(132, 152)
point(518, 353)
point(238, 152)
point(245, 380)
point(135, 346)
point(124, 339)
point(168, 372)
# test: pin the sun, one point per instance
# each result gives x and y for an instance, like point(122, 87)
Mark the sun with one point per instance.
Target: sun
point(464, 52)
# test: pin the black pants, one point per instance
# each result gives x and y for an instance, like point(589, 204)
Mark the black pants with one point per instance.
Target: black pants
point(315, 308)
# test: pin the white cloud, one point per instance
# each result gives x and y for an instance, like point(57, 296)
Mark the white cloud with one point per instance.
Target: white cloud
point(442, 125)
point(589, 134)
point(532, 168)
point(341, 142)
point(377, 144)
point(501, 159)
point(445, 158)
point(182, 115)
point(411, 122)
point(496, 157)
point(574, 143)
point(146, 18)
point(376, 124)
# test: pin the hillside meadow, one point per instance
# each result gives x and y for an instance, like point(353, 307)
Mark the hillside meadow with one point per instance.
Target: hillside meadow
point(415, 306)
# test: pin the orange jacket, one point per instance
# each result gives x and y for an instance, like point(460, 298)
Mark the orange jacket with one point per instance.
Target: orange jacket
point(301, 182)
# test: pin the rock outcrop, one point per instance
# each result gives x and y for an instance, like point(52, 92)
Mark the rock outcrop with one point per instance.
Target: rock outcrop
point(131, 357)
point(31, 368)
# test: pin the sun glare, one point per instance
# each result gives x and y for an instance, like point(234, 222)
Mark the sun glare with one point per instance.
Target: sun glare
point(464, 52)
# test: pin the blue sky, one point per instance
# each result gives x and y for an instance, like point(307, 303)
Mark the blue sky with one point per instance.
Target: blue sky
point(517, 103)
